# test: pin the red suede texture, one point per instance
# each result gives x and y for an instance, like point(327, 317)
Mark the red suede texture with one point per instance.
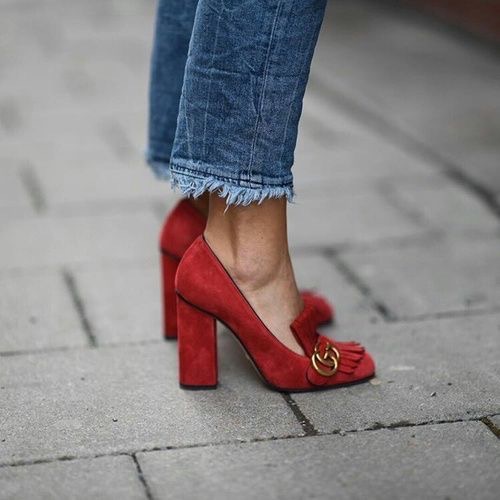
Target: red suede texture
point(181, 227)
point(169, 266)
point(324, 311)
point(197, 346)
point(202, 281)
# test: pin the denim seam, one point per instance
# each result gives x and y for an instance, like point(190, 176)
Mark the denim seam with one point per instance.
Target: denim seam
point(216, 38)
point(304, 59)
point(264, 85)
point(192, 184)
point(204, 170)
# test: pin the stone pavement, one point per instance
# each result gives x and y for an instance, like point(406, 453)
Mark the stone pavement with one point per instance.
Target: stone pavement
point(397, 220)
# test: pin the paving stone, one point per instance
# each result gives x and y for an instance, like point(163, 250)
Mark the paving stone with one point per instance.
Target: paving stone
point(362, 160)
point(107, 400)
point(448, 207)
point(50, 154)
point(334, 147)
point(428, 462)
point(132, 52)
point(71, 133)
point(36, 312)
point(123, 304)
point(349, 214)
point(65, 78)
point(428, 371)
point(99, 478)
point(135, 125)
point(50, 92)
point(440, 276)
point(81, 129)
point(55, 241)
point(14, 197)
point(496, 420)
point(353, 310)
point(104, 21)
point(390, 64)
point(98, 185)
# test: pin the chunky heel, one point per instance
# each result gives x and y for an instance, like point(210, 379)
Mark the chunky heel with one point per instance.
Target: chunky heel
point(197, 334)
point(169, 266)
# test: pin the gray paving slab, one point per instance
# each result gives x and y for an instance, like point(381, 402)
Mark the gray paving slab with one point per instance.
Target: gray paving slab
point(111, 20)
point(107, 400)
point(447, 206)
point(348, 214)
point(81, 129)
point(361, 160)
point(428, 371)
point(49, 154)
point(99, 185)
point(399, 68)
point(496, 421)
point(73, 76)
point(72, 131)
point(428, 462)
point(440, 276)
point(135, 124)
point(52, 152)
point(51, 91)
point(14, 196)
point(100, 478)
point(335, 147)
point(58, 240)
point(123, 304)
point(353, 310)
point(115, 83)
point(36, 312)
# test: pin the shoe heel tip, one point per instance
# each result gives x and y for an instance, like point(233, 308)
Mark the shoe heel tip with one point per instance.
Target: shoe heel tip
point(189, 387)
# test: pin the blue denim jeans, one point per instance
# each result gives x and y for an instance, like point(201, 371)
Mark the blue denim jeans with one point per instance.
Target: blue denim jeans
point(227, 82)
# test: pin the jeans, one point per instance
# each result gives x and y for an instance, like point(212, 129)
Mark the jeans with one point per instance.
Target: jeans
point(227, 83)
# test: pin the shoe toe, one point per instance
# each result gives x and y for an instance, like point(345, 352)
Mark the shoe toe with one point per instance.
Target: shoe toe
point(366, 367)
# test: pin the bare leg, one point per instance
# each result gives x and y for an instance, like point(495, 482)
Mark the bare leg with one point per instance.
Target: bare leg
point(251, 241)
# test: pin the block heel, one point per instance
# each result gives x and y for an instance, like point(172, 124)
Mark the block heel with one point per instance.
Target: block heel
point(169, 265)
point(197, 335)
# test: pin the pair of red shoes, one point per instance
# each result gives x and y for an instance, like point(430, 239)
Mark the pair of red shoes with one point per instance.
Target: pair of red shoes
point(197, 291)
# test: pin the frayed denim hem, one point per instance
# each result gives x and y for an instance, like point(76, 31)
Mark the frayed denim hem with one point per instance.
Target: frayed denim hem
point(161, 168)
point(194, 186)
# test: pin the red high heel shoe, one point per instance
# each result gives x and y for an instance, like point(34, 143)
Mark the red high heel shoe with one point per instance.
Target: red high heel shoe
point(182, 226)
point(206, 293)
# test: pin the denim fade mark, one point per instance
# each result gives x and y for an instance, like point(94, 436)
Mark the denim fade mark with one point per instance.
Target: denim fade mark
point(237, 45)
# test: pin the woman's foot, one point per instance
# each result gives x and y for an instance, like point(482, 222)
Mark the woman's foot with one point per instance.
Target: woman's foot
point(251, 242)
point(183, 225)
point(206, 292)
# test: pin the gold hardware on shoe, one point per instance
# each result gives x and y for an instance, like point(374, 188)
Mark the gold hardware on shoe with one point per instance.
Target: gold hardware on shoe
point(325, 364)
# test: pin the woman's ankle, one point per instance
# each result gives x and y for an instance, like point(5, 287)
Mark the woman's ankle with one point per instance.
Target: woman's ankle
point(252, 245)
point(249, 266)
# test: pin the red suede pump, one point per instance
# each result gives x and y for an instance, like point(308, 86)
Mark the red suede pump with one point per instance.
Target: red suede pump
point(182, 226)
point(206, 293)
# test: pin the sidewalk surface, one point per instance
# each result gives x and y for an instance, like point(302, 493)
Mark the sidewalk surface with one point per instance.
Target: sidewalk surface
point(397, 220)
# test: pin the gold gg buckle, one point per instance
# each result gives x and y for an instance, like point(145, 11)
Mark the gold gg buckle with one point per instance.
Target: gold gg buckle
point(325, 364)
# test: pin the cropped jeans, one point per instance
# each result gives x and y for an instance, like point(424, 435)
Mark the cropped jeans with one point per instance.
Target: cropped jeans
point(227, 83)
